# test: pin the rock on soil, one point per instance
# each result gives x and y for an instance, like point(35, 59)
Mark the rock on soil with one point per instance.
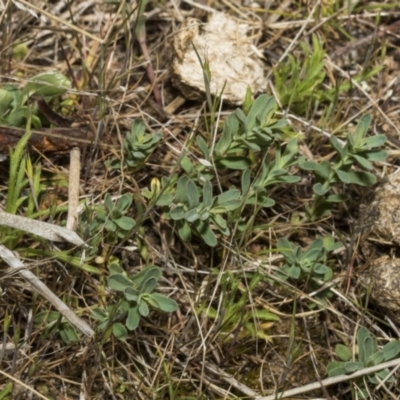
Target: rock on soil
point(379, 227)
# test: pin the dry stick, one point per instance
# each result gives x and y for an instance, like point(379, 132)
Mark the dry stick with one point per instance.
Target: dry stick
point(331, 381)
point(73, 188)
point(8, 256)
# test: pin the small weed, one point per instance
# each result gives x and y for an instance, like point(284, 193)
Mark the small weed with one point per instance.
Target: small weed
point(14, 110)
point(137, 147)
point(359, 150)
point(137, 295)
point(368, 356)
point(56, 323)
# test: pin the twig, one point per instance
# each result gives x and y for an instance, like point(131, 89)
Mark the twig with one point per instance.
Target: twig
point(73, 188)
point(8, 256)
point(45, 230)
point(331, 381)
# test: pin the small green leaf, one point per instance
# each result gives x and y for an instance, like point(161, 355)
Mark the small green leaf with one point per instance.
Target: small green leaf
point(363, 162)
point(201, 143)
point(165, 200)
point(308, 165)
point(375, 358)
point(361, 129)
point(187, 165)
point(181, 190)
point(47, 84)
point(206, 233)
point(99, 314)
point(119, 282)
point(177, 213)
point(184, 231)
point(265, 315)
point(343, 176)
point(132, 321)
point(352, 366)
point(362, 335)
point(380, 155)
point(336, 368)
point(192, 215)
point(6, 99)
point(124, 202)
point(320, 190)
point(293, 272)
point(143, 309)
point(246, 180)
point(148, 286)
point(231, 127)
point(391, 350)
point(125, 223)
point(131, 294)
point(150, 272)
point(165, 303)
point(374, 141)
point(235, 162)
point(192, 194)
point(337, 198)
point(227, 197)
point(119, 331)
point(207, 194)
point(362, 178)
point(336, 145)
point(343, 352)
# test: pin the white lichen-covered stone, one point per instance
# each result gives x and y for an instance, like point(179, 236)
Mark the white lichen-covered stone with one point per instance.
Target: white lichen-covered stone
point(223, 44)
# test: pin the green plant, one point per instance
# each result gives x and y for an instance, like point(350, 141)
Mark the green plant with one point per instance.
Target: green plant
point(55, 322)
point(110, 218)
point(137, 146)
point(138, 294)
point(359, 150)
point(369, 355)
point(253, 132)
point(273, 172)
point(191, 214)
point(14, 110)
point(309, 264)
point(296, 79)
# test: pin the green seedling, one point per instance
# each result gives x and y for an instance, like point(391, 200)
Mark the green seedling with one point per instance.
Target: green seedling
point(253, 132)
point(137, 147)
point(359, 151)
point(369, 355)
point(273, 172)
point(191, 214)
point(297, 79)
point(308, 264)
point(112, 216)
point(138, 294)
point(55, 322)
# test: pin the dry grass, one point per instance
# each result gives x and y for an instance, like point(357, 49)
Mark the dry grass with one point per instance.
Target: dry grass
point(184, 355)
